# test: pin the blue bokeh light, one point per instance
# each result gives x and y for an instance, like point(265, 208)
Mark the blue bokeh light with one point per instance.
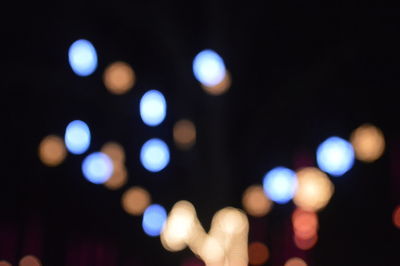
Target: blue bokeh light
point(154, 155)
point(154, 218)
point(77, 137)
point(153, 108)
point(97, 167)
point(280, 184)
point(82, 57)
point(209, 68)
point(335, 156)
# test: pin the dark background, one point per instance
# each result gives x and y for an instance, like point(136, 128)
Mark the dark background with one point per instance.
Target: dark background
point(300, 73)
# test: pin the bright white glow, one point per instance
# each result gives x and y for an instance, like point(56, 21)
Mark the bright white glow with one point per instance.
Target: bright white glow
point(82, 57)
point(209, 68)
point(154, 218)
point(154, 155)
point(280, 184)
point(97, 167)
point(153, 108)
point(77, 137)
point(335, 156)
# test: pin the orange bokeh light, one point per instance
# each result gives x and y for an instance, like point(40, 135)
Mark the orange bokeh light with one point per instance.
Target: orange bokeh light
point(258, 253)
point(120, 175)
point(119, 78)
point(135, 200)
point(52, 150)
point(4, 263)
point(305, 244)
point(221, 87)
point(114, 150)
point(368, 142)
point(396, 217)
point(30, 260)
point(305, 224)
point(255, 202)
point(184, 134)
point(295, 262)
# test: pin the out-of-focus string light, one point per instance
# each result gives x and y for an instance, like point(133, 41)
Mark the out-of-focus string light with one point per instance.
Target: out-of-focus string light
point(135, 200)
point(314, 189)
point(82, 57)
point(153, 108)
point(77, 137)
point(154, 155)
point(97, 167)
point(154, 218)
point(184, 134)
point(30, 260)
point(368, 142)
point(258, 253)
point(305, 224)
point(396, 217)
point(52, 150)
point(209, 68)
point(335, 156)
point(5, 263)
point(255, 202)
point(119, 176)
point(305, 243)
point(280, 184)
point(295, 262)
point(221, 87)
point(119, 78)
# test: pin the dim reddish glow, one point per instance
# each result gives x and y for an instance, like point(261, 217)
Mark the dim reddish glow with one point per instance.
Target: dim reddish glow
point(30, 260)
point(295, 262)
point(396, 217)
point(305, 224)
point(184, 134)
point(255, 202)
point(135, 200)
point(52, 151)
point(119, 78)
point(305, 244)
point(258, 253)
point(192, 262)
point(4, 263)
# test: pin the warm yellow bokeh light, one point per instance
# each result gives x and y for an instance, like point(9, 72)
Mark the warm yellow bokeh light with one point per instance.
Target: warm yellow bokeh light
point(119, 78)
point(368, 142)
point(115, 151)
point(396, 217)
point(305, 224)
point(52, 150)
point(118, 178)
point(255, 202)
point(30, 261)
point(295, 262)
point(212, 251)
point(135, 200)
point(230, 221)
point(314, 189)
point(184, 134)
point(221, 87)
point(4, 263)
point(305, 244)
point(258, 253)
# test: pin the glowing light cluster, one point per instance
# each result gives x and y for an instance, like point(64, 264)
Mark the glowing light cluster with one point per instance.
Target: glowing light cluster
point(154, 155)
point(82, 57)
point(154, 218)
point(153, 108)
point(280, 184)
point(97, 167)
point(77, 137)
point(255, 202)
point(52, 150)
point(119, 176)
point(368, 142)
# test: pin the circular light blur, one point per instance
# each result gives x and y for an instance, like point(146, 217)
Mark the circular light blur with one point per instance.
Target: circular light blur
point(184, 134)
point(115, 151)
point(255, 202)
point(97, 167)
point(211, 251)
point(305, 244)
point(153, 108)
point(221, 87)
point(52, 150)
point(154, 155)
point(396, 217)
point(314, 189)
point(82, 57)
point(335, 156)
point(118, 178)
point(119, 78)
point(4, 263)
point(153, 219)
point(30, 260)
point(230, 221)
point(258, 253)
point(77, 137)
point(368, 142)
point(209, 68)
point(280, 184)
point(135, 200)
point(305, 224)
point(295, 262)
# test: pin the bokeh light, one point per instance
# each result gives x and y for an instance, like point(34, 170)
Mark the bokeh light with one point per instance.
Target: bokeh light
point(335, 156)
point(209, 68)
point(258, 253)
point(30, 260)
point(154, 155)
point(280, 184)
point(305, 224)
point(396, 217)
point(5, 263)
point(135, 200)
point(82, 57)
point(368, 143)
point(153, 108)
point(97, 167)
point(119, 78)
point(77, 137)
point(221, 87)
point(184, 134)
point(314, 189)
point(52, 150)
point(230, 221)
point(255, 202)
point(114, 150)
point(154, 218)
point(305, 243)
point(212, 251)
point(295, 262)
point(119, 176)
